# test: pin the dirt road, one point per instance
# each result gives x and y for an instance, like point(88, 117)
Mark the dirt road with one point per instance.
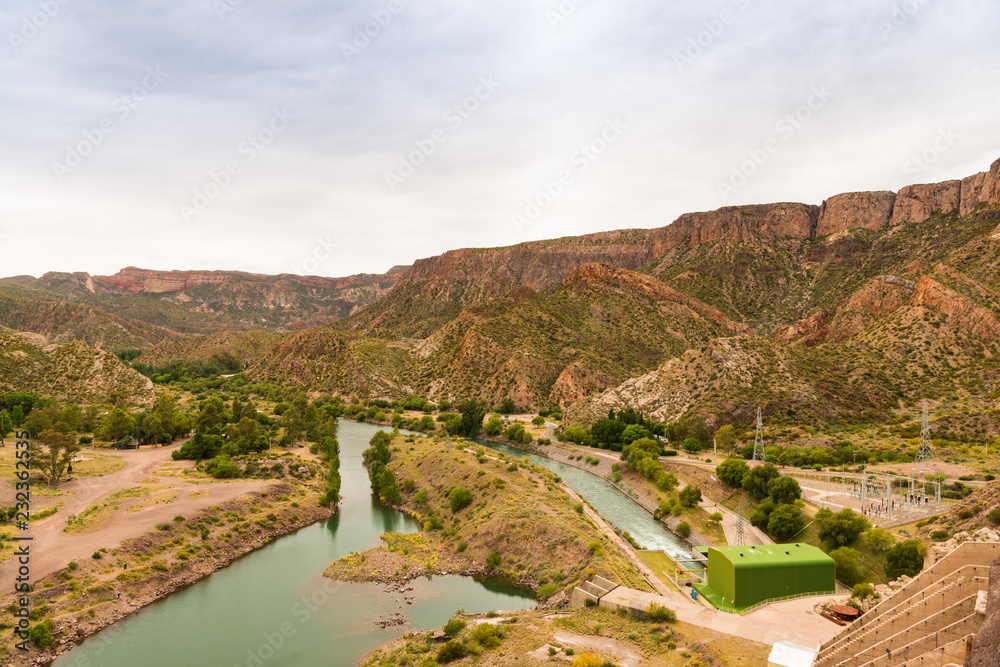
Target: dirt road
point(169, 496)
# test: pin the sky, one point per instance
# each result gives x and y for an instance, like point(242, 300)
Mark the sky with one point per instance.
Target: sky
point(334, 138)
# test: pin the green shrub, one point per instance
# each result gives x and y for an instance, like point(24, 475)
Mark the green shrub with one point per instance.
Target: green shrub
point(41, 634)
point(486, 635)
point(545, 591)
point(459, 499)
point(453, 627)
point(994, 515)
point(493, 561)
point(683, 529)
point(578, 507)
point(451, 651)
point(660, 614)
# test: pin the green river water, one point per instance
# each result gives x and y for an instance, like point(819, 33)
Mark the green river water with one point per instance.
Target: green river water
point(274, 608)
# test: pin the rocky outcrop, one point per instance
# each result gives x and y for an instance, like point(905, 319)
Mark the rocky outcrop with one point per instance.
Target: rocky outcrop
point(813, 326)
point(855, 210)
point(986, 648)
point(654, 289)
point(916, 203)
point(961, 312)
point(982, 188)
point(739, 223)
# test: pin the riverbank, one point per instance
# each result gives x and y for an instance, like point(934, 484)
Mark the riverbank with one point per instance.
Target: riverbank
point(516, 523)
point(103, 587)
point(542, 638)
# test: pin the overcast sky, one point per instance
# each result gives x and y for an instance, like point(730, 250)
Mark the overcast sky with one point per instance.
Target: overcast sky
point(256, 136)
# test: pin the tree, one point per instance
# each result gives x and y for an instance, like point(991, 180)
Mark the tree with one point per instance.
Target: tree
point(459, 499)
point(17, 415)
point(683, 529)
point(632, 433)
point(879, 539)
point(473, 413)
point(904, 558)
point(842, 528)
point(784, 490)
point(295, 425)
point(506, 406)
point(116, 425)
point(761, 514)
point(785, 521)
point(608, 431)
point(690, 496)
point(691, 445)
point(494, 426)
point(6, 425)
point(588, 660)
point(209, 419)
point(725, 437)
point(54, 453)
point(757, 480)
point(715, 517)
point(847, 562)
point(732, 472)
point(538, 421)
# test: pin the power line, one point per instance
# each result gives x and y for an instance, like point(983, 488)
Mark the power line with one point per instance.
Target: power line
point(925, 454)
point(758, 441)
point(740, 535)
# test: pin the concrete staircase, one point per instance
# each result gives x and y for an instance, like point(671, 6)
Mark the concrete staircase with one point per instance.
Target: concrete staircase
point(928, 623)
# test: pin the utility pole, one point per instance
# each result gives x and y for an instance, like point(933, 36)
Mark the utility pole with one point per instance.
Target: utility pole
point(740, 536)
point(925, 454)
point(758, 441)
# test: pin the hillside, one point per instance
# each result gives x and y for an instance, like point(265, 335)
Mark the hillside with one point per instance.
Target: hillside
point(63, 322)
point(246, 346)
point(72, 372)
point(206, 302)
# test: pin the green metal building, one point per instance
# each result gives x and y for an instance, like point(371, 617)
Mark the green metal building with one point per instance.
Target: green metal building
point(745, 576)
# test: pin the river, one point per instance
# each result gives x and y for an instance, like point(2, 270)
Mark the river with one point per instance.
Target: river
point(610, 503)
point(274, 608)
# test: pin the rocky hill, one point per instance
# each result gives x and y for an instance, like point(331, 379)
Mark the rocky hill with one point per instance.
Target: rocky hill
point(206, 302)
point(866, 300)
point(72, 372)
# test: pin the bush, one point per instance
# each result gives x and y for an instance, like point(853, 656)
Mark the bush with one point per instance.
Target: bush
point(493, 561)
point(222, 468)
point(459, 499)
point(940, 535)
point(683, 529)
point(578, 507)
point(715, 517)
point(690, 496)
point(847, 562)
point(994, 515)
point(904, 558)
point(421, 497)
point(587, 660)
point(545, 591)
point(785, 522)
point(660, 614)
point(41, 634)
point(453, 627)
point(452, 650)
point(863, 592)
point(486, 635)
point(842, 528)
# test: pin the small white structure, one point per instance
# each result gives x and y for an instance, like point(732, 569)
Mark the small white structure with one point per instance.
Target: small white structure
point(787, 654)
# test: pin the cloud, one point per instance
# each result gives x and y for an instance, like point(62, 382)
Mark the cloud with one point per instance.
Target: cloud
point(367, 82)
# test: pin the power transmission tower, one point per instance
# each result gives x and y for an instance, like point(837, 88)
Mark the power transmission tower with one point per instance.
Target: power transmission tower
point(758, 441)
point(740, 535)
point(924, 452)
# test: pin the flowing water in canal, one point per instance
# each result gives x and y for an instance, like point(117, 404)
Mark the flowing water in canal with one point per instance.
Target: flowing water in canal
point(610, 503)
point(273, 607)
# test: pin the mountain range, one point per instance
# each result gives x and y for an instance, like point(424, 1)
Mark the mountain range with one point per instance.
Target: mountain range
point(866, 301)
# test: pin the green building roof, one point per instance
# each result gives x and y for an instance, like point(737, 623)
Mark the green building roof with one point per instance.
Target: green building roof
point(769, 555)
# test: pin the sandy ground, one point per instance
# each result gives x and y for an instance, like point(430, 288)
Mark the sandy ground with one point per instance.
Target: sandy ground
point(52, 549)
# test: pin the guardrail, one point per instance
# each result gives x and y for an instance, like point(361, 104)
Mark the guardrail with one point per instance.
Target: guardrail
point(738, 612)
